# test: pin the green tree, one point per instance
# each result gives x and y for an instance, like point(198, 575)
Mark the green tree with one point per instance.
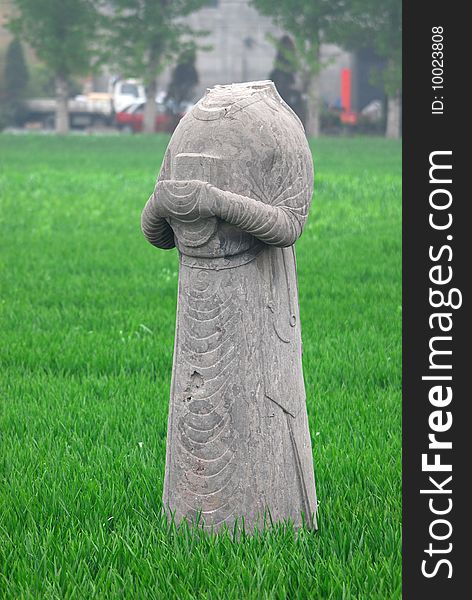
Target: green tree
point(305, 21)
point(62, 33)
point(184, 78)
point(284, 78)
point(376, 24)
point(16, 79)
point(282, 74)
point(146, 36)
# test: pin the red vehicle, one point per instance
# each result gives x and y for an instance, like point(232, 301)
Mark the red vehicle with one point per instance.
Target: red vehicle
point(131, 118)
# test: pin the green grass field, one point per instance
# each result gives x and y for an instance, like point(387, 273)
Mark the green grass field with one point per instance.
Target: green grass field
point(86, 332)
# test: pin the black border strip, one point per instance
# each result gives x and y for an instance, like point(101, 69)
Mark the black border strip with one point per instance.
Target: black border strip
point(424, 133)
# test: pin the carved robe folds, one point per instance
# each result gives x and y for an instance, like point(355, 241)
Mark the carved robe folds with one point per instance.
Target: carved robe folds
point(233, 195)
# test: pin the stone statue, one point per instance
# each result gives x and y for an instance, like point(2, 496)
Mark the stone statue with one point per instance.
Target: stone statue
point(233, 195)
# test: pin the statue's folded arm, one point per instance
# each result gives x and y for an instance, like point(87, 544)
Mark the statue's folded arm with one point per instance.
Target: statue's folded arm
point(274, 225)
point(156, 229)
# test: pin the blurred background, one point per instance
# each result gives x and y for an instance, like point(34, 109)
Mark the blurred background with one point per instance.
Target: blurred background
point(139, 65)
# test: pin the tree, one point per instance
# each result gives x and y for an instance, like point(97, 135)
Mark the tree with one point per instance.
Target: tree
point(305, 21)
point(284, 78)
point(378, 25)
point(184, 78)
point(62, 33)
point(146, 35)
point(16, 79)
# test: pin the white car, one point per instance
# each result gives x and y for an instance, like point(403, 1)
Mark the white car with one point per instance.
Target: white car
point(127, 92)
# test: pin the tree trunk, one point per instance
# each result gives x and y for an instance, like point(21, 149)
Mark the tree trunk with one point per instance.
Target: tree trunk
point(313, 106)
point(149, 119)
point(393, 117)
point(62, 111)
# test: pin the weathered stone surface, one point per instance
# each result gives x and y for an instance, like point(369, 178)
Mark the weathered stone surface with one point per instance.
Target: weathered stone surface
point(233, 195)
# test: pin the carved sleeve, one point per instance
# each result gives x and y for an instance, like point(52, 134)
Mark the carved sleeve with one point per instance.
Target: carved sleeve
point(156, 229)
point(275, 225)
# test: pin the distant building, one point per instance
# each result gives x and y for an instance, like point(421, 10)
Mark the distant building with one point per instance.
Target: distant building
point(241, 50)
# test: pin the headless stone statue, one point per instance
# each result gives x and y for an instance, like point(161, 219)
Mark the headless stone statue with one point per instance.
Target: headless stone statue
point(233, 195)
